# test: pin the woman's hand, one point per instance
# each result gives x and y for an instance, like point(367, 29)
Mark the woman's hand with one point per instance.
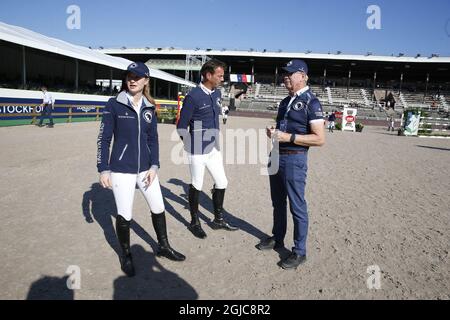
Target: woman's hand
point(105, 180)
point(149, 177)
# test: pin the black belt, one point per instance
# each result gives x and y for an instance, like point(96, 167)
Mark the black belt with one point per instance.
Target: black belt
point(292, 151)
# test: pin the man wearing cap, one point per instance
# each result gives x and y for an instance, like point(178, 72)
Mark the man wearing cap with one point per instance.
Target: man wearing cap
point(300, 125)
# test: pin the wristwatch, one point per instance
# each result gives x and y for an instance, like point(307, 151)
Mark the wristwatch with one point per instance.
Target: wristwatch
point(292, 138)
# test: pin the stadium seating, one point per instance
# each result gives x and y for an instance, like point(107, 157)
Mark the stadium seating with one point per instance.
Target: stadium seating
point(171, 64)
point(264, 97)
point(444, 103)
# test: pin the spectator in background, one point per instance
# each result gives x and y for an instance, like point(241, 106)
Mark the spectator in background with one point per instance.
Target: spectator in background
point(47, 107)
point(433, 105)
point(331, 119)
point(225, 111)
point(391, 123)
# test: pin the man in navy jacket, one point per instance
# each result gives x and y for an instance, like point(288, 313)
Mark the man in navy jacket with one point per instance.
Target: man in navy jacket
point(198, 127)
point(300, 125)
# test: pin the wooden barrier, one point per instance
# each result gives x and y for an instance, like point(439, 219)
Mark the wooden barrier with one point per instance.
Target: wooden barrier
point(70, 114)
point(166, 114)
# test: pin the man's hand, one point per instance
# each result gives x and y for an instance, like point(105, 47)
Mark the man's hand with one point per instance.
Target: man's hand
point(270, 131)
point(281, 136)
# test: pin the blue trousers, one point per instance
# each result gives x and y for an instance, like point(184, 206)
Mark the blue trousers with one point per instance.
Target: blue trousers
point(289, 182)
point(46, 112)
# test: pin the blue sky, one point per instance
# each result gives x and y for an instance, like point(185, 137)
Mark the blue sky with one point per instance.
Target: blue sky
point(321, 26)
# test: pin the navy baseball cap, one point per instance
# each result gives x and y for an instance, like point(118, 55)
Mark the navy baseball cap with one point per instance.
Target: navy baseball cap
point(295, 66)
point(139, 69)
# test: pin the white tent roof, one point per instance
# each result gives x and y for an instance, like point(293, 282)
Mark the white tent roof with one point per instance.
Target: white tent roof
point(268, 54)
point(28, 38)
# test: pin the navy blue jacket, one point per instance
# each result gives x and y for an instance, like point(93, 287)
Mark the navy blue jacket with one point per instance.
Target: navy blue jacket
point(200, 113)
point(304, 108)
point(136, 146)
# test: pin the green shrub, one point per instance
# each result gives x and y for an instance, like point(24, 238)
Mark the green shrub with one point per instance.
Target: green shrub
point(167, 115)
point(423, 129)
point(359, 126)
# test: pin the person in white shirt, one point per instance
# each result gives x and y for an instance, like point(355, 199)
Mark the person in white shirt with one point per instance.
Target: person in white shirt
point(47, 107)
point(225, 112)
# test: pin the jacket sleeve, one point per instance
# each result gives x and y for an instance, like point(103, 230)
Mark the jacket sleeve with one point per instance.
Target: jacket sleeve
point(104, 138)
point(314, 111)
point(185, 116)
point(153, 142)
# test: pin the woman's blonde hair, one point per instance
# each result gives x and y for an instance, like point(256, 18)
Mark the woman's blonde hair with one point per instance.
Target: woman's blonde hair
point(145, 91)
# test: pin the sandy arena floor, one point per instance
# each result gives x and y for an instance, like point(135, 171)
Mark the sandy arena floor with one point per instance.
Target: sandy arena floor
point(374, 199)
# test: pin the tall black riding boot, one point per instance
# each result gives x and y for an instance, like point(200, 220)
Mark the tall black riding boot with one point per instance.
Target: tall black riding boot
point(164, 249)
point(123, 234)
point(219, 223)
point(195, 226)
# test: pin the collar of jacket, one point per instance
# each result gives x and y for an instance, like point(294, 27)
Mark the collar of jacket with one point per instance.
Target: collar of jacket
point(305, 96)
point(123, 99)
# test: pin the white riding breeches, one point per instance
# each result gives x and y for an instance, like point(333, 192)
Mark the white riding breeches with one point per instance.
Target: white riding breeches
point(213, 162)
point(124, 185)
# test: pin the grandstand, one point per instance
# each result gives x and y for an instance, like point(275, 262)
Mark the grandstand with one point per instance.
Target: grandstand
point(367, 82)
point(29, 59)
point(81, 79)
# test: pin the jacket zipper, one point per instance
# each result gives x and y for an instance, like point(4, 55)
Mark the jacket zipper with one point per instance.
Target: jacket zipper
point(123, 152)
point(139, 139)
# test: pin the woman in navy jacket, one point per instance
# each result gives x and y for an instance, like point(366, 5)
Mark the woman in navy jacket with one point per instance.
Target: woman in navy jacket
point(130, 118)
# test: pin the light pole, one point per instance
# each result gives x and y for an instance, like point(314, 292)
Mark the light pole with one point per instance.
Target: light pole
point(374, 81)
point(426, 86)
point(348, 82)
point(24, 69)
point(401, 82)
point(275, 83)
